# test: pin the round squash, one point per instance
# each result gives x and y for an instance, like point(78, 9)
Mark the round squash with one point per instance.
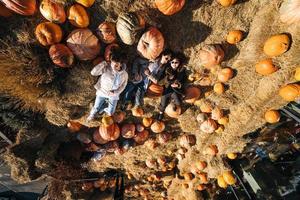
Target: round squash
point(54, 12)
point(5, 12)
point(219, 88)
point(234, 37)
point(151, 43)
point(154, 90)
point(129, 26)
point(108, 50)
point(48, 33)
point(227, 3)
point(84, 44)
point(290, 92)
point(169, 7)
point(231, 156)
point(221, 182)
point(78, 16)
point(158, 127)
point(61, 55)
point(225, 74)
point(290, 11)
point(173, 113)
point(98, 138)
point(109, 133)
point(277, 45)
point(141, 137)
point(297, 74)
point(265, 67)
point(208, 126)
point(272, 116)
point(229, 178)
point(147, 121)
point(107, 32)
point(211, 55)
point(22, 7)
point(192, 93)
point(128, 130)
point(86, 3)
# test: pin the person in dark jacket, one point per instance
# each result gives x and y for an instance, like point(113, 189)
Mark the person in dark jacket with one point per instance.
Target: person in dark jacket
point(173, 81)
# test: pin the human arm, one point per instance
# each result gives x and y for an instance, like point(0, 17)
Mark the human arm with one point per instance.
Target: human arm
point(99, 69)
point(122, 86)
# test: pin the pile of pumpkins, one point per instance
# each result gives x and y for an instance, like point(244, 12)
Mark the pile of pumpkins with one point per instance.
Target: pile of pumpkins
point(102, 184)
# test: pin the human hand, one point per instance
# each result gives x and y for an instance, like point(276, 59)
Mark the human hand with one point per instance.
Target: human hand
point(174, 85)
point(147, 72)
point(111, 92)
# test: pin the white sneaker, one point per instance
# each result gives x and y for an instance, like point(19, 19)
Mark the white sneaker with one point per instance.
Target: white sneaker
point(90, 118)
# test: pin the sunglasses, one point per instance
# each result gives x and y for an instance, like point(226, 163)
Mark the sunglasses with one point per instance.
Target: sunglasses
point(175, 62)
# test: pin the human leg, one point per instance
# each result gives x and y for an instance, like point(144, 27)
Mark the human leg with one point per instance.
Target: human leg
point(112, 104)
point(96, 108)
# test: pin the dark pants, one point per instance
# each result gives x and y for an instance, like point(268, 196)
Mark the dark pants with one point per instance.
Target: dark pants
point(134, 92)
point(169, 95)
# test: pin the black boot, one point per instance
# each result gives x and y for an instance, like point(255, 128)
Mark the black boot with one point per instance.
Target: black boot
point(160, 116)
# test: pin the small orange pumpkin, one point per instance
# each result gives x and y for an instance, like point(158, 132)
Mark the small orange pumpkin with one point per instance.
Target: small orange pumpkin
point(201, 187)
point(203, 177)
point(109, 133)
point(48, 33)
point(212, 150)
point(211, 55)
point(107, 120)
point(169, 7)
point(86, 3)
point(154, 90)
point(74, 126)
point(5, 12)
point(208, 126)
point(137, 111)
point(265, 67)
point(108, 49)
point(221, 182)
point(78, 16)
point(107, 32)
point(277, 45)
point(98, 138)
point(118, 117)
point(54, 12)
point(272, 116)
point(225, 74)
point(297, 74)
point(200, 165)
point(164, 138)
point(192, 93)
point(234, 36)
point(229, 178)
point(206, 107)
point(141, 137)
point(232, 156)
point(158, 127)
point(217, 113)
point(61, 55)
point(128, 130)
point(290, 92)
point(173, 113)
point(22, 7)
point(223, 120)
point(147, 121)
point(289, 11)
point(227, 3)
point(187, 140)
point(151, 43)
point(219, 88)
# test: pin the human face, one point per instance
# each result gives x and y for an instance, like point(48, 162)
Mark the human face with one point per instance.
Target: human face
point(175, 63)
point(116, 66)
point(165, 59)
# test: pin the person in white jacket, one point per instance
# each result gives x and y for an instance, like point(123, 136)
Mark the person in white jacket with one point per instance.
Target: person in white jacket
point(112, 81)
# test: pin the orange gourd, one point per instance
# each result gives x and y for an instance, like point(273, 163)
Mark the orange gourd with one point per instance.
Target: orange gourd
point(223, 120)
point(277, 45)
point(272, 116)
point(154, 90)
point(158, 126)
point(265, 67)
point(61, 55)
point(229, 178)
point(225, 74)
point(151, 43)
point(86, 3)
point(211, 55)
point(109, 133)
point(48, 33)
point(219, 88)
point(22, 7)
point(290, 11)
point(147, 121)
point(234, 37)
point(107, 32)
point(290, 92)
point(192, 93)
point(171, 112)
point(169, 7)
point(5, 12)
point(201, 187)
point(108, 50)
point(227, 3)
point(78, 16)
point(54, 12)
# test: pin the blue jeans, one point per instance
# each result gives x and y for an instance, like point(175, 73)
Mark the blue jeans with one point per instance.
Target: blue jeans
point(98, 106)
point(136, 92)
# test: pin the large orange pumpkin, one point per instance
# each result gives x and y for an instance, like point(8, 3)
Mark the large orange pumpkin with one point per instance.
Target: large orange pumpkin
point(108, 50)
point(151, 43)
point(61, 55)
point(173, 113)
point(169, 7)
point(272, 116)
point(48, 33)
point(265, 67)
point(290, 92)
point(5, 12)
point(84, 44)
point(54, 12)
point(86, 3)
point(78, 16)
point(277, 45)
point(155, 90)
point(211, 55)
point(227, 3)
point(225, 74)
point(128, 130)
point(109, 133)
point(192, 93)
point(290, 11)
point(158, 126)
point(107, 32)
point(235, 36)
point(22, 7)
point(98, 138)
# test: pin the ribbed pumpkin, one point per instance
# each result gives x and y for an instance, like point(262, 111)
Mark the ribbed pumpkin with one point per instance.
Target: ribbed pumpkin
point(5, 12)
point(173, 113)
point(147, 121)
point(208, 126)
point(84, 44)
point(141, 137)
point(225, 74)
point(78, 16)
point(129, 26)
point(109, 133)
point(277, 45)
point(98, 138)
point(151, 43)
point(231, 156)
point(22, 7)
point(227, 3)
point(158, 127)
point(192, 93)
point(54, 12)
point(187, 140)
point(272, 116)
point(290, 11)
point(108, 50)
point(265, 67)
point(219, 88)
point(297, 74)
point(169, 7)
point(221, 182)
point(86, 3)
point(48, 33)
point(290, 92)
point(234, 37)
point(154, 90)
point(128, 130)
point(211, 55)
point(229, 178)
point(107, 32)
point(74, 126)
point(61, 55)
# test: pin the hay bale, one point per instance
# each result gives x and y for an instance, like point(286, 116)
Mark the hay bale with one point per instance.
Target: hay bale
point(188, 120)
